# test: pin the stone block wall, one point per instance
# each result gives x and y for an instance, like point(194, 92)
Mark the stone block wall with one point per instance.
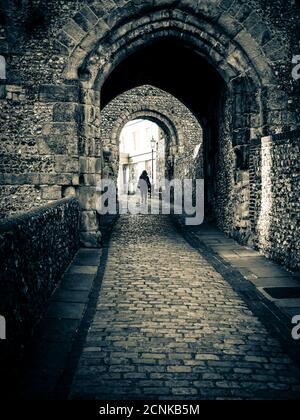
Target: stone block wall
point(230, 195)
point(275, 176)
point(49, 149)
point(38, 153)
point(59, 54)
point(35, 250)
point(221, 167)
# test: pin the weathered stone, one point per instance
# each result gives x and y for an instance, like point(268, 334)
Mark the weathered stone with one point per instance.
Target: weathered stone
point(238, 84)
point(91, 239)
point(51, 193)
point(86, 19)
point(53, 93)
point(89, 221)
point(51, 111)
point(88, 197)
point(65, 164)
point(179, 127)
point(69, 192)
point(278, 165)
point(63, 112)
point(35, 250)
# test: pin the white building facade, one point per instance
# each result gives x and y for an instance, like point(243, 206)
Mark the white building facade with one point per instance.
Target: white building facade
point(138, 152)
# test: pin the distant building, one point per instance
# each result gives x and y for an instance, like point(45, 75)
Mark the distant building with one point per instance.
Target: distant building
point(136, 154)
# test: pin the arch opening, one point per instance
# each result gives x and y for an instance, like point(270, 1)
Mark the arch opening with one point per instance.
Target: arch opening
point(169, 65)
point(215, 70)
point(225, 111)
point(220, 73)
point(181, 155)
point(142, 146)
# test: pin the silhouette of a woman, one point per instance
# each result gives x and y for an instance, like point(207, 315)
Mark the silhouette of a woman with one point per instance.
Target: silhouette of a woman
point(145, 186)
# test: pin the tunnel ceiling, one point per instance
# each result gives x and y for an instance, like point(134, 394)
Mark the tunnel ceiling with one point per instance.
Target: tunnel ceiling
point(168, 65)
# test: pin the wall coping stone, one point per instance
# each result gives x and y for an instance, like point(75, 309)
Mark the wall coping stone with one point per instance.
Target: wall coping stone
point(287, 135)
point(22, 218)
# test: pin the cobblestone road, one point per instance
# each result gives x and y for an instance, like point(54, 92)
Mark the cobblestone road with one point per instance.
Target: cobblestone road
point(168, 326)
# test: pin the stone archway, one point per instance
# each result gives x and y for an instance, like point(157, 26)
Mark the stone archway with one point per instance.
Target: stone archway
point(89, 43)
point(235, 50)
point(111, 144)
point(182, 131)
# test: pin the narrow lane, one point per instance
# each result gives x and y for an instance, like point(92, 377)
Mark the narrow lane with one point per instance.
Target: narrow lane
point(169, 326)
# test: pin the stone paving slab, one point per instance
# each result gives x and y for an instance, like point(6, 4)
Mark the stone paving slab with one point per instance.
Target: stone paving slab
point(266, 282)
point(288, 303)
point(85, 254)
point(168, 326)
point(57, 330)
point(291, 312)
point(71, 296)
point(78, 282)
point(268, 271)
point(56, 334)
point(65, 310)
point(76, 269)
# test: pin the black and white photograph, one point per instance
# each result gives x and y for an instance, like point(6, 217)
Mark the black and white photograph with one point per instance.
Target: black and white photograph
point(149, 203)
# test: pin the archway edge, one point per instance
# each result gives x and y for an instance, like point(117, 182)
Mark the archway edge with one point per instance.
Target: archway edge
point(242, 48)
point(181, 129)
point(162, 120)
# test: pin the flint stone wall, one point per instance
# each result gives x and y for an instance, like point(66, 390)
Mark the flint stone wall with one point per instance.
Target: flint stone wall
point(35, 250)
point(274, 197)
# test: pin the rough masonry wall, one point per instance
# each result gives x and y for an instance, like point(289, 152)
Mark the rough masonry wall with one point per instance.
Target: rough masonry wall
point(184, 143)
point(33, 26)
point(35, 164)
point(277, 228)
point(35, 250)
point(30, 168)
point(221, 197)
point(238, 121)
point(49, 104)
point(49, 141)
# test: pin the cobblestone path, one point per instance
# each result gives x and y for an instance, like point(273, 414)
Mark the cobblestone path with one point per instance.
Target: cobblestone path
point(168, 326)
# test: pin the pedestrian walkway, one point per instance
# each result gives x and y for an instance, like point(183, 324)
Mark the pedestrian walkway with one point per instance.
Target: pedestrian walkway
point(277, 284)
point(272, 291)
point(48, 357)
point(169, 326)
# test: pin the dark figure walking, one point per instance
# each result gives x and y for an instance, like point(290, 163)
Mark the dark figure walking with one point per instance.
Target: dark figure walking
point(145, 186)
